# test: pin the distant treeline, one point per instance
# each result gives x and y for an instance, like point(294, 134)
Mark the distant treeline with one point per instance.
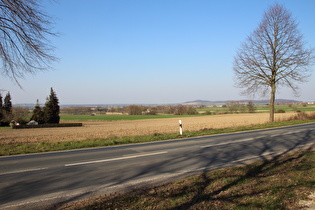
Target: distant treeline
point(131, 110)
point(232, 107)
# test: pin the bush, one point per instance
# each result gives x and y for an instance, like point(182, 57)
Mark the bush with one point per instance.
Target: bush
point(4, 124)
point(207, 113)
point(280, 111)
point(134, 110)
point(185, 110)
point(52, 125)
point(302, 116)
point(251, 107)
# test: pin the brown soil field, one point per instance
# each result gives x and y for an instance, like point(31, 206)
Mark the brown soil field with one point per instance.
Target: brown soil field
point(94, 130)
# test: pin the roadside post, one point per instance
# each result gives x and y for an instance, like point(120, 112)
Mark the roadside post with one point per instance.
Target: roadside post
point(180, 127)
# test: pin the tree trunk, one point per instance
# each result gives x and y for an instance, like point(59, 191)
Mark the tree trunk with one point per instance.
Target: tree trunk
point(272, 103)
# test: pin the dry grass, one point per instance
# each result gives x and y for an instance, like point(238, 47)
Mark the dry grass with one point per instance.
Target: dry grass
point(95, 130)
point(302, 116)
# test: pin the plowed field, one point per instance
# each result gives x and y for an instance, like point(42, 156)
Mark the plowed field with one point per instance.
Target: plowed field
point(93, 130)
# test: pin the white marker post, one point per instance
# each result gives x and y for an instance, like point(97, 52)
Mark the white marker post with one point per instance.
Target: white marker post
point(180, 127)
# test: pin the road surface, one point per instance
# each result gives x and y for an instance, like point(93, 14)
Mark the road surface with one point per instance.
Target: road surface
point(46, 179)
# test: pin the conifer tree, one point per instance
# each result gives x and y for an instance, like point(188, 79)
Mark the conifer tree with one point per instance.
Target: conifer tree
point(38, 114)
point(51, 109)
point(7, 104)
point(1, 108)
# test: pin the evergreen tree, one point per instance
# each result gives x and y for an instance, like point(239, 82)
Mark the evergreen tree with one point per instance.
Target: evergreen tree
point(1, 108)
point(51, 109)
point(7, 104)
point(38, 114)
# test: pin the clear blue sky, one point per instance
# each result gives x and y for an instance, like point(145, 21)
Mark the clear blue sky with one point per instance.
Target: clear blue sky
point(152, 51)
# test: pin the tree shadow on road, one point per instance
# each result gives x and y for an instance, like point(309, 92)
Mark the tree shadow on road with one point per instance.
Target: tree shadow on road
point(215, 189)
point(248, 184)
point(269, 183)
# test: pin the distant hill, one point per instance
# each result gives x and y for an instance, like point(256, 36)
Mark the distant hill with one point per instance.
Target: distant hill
point(257, 102)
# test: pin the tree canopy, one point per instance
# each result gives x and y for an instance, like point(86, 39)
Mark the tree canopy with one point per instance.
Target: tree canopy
point(273, 55)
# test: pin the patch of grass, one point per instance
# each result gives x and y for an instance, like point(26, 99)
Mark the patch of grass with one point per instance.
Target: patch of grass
point(5, 127)
point(277, 183)
point(263, 108)
point(25, 148)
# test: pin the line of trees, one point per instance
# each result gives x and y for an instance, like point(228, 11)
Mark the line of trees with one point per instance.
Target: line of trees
point(133, 110)
point(144, 110)
point(50, 112)
point(231, 106)
point(153, 110)
point(236, 107)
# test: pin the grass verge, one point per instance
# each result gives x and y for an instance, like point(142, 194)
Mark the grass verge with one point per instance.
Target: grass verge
point(277, 183)
point(25, 148)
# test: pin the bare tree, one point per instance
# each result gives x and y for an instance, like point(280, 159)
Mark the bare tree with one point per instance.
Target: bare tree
point(273, 55)
point(24, 47)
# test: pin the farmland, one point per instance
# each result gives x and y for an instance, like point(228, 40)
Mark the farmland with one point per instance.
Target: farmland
point(263, 108)
point(106, 129)
point(104, 116)
point(116, 117)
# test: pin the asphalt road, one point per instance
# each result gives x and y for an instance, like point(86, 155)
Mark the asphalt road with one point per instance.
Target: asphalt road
point(42, 180)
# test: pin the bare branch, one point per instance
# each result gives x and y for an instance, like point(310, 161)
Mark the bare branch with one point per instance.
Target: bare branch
point(24, 46)
point(273, 55)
